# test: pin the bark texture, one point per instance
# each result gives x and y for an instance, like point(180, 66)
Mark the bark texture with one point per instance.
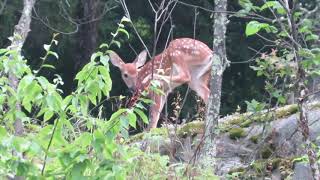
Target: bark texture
point(20, 34)
point(209, 150)
point(88, 32)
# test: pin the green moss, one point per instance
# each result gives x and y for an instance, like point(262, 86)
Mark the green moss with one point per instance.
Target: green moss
point(286, 110)
point(255, 138)
point(153, 132)
point(233, 125)
point(259, 166)
point(315, 105)
point(237, 170)
point(246, 123)
point(275, 162)
point(266, 152)
point(246, 119)
point(237, 120)
point(195, 127)
point(236, 133)
point(159, 131)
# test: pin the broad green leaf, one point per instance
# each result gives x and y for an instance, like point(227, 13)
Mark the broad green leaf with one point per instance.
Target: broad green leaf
point(141, 115)
point(254, 26)
point(92, 98)
point(66, 101)
point(24, 82)
point(48, 115)
point(117, 114)
point(104, 71)
point(26, 104)
point(312, 37)
point(132, 118)
point(124, 31)
point(54, 102)
point(104, 60)
point(274, 5)
point(84, 140)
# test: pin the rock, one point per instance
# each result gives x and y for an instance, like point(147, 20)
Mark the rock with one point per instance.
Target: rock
point(243, 141)
point(302, 171)
point(288, 139)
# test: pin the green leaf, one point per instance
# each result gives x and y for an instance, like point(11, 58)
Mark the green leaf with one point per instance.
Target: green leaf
point(124, 31)
point(84, 103)
point(312, 37)
point(93, 99)
point(117, 114)
point(147, 101)
point(48, 115)
point(3, 132)
point(104, 60)
point(274, 5)
point(141, 115)
point(254, 106)
point(55, 42)
point(77, 171)
point(54, 101)
point(125, 19)
point(54, 54)
point(66, 101)
point(2, 51)
point(24, 82)
point(104, 71)
point(254, 26)
point(104, 45)
point(124, 122)
point(132, 118)
point(95, 55)
point(48, 66)
point(84, 140)
point(26, 104)
point(117, 43)
point(43, 82)
point(47, 47)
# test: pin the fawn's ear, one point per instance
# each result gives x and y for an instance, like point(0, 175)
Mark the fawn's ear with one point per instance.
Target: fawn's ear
point(140, 59)
point(115, 59)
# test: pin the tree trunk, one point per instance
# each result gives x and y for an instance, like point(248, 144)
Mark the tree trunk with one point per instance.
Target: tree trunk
point(88, 32)
point(20, 34)
point(303, 90)
point(209, 150)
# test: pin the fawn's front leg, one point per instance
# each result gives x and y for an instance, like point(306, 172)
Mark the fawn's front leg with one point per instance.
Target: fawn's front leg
point(155, 109)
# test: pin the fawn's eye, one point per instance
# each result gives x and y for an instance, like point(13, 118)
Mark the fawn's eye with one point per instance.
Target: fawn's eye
point(125, 75)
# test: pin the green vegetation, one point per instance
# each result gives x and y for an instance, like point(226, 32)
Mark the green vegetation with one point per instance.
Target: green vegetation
point(236, 133)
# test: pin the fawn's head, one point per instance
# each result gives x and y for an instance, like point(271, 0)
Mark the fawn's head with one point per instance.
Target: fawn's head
point(129, 71)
